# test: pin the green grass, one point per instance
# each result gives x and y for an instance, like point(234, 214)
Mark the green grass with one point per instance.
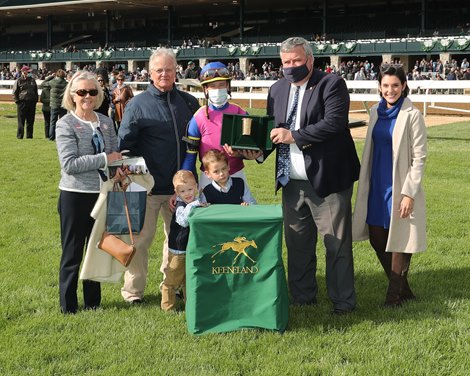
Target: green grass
point(426, 337)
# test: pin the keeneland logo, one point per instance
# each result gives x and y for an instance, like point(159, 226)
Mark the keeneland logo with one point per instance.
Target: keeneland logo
point(239, 246)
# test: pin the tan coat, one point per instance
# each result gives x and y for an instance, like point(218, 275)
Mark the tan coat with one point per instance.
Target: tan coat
point(407, 235)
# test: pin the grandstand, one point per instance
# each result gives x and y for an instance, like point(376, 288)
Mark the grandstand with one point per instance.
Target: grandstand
point(52, 34)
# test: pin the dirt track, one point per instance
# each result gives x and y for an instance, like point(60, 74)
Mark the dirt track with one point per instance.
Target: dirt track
point(430, 120)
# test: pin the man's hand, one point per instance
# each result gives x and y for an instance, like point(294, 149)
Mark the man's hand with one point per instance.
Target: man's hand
point(282, 136)
point(172, 203)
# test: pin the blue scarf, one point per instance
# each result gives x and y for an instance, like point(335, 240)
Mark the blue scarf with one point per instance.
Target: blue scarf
point(389, 113)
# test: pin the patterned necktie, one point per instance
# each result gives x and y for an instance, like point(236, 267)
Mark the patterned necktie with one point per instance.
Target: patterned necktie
point(283, 164)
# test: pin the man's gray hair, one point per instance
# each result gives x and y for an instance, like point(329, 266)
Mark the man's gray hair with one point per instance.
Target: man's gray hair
point(290, 43)
point(168, 52)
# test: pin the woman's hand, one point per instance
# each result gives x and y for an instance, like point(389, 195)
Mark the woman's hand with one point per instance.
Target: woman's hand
point(119, 176)
point(406, 206)
point(113, 156)
point(243, 153)
point(231, 152)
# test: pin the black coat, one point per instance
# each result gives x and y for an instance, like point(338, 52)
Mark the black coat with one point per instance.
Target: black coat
point(153, 125)
point(324, 137)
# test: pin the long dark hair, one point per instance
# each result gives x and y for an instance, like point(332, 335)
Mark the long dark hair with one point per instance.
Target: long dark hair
point(394, 70)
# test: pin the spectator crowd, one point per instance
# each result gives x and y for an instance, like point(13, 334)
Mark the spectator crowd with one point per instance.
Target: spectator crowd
point(424, 69)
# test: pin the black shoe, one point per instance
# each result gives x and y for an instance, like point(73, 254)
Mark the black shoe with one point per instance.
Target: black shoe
point(341, 312)
point(297, 303)
point(136, 302)
point(69, 311)
point(91, 308)
point(179, 295)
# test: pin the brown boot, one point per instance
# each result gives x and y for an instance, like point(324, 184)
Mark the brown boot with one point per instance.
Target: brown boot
point(395, 286)
point(399, 271)
point(406, 293)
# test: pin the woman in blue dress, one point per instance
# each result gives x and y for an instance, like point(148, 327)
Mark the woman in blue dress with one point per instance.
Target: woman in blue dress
point(390, 206)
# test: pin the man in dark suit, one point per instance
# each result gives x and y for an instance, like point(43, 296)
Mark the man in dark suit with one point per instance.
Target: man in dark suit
point(316, 165)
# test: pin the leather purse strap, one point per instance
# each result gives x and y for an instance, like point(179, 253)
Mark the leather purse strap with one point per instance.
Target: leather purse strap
point(128, 217)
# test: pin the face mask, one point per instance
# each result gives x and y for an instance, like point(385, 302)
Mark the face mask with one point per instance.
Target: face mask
point(295, 74)
point(218, 97)
point(30, 75)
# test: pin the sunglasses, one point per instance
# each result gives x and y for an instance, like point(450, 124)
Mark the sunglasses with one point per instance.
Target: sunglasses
point(83, 92)
point(213, 73)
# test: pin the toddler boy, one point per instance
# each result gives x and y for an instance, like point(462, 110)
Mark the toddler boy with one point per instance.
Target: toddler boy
point(224, 189)
point(174, 275)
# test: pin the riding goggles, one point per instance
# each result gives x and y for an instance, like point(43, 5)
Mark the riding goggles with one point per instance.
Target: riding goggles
point(215, 74)
point(83, 92)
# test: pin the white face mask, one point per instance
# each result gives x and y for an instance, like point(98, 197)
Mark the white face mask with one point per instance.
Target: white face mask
point(218, 97)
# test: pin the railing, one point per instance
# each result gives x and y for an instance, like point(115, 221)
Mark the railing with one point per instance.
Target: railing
point(427, 92)
point(453, 44)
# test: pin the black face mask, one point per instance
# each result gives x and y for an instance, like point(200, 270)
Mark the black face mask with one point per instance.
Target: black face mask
point(295, 74)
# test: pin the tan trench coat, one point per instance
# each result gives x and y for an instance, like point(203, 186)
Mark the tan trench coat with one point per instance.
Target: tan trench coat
point(406, 235)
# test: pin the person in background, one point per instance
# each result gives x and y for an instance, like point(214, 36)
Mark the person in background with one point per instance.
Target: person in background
point(86, 143)
point(122, 93)
point(390, 203)
point(153, 125)
point(187, 199)
point(25, 94)
point(205, 128)
point(466, 75)
point(104, 107)
point(191, 71)
point(223, 188)
point(58, 85)
point(45, 99)
point(102, 71)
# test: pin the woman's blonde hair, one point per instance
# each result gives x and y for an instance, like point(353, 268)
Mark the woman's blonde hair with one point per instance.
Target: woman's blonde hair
point(67, 101)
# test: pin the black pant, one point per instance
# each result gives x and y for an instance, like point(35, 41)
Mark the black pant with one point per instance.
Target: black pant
point(47, 122)
point(75, 229)
point(26, 111)
point(56, 114)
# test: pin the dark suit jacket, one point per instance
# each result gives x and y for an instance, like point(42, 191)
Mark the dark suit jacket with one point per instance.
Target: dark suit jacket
point(324, 138)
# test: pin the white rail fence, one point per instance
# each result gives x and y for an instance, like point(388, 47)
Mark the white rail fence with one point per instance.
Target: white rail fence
point(428, 92)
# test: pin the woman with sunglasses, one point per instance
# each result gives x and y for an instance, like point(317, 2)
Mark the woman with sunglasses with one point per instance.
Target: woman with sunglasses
point(121, 95)
point(205, 128)
point(390, 205)
point(86, 143)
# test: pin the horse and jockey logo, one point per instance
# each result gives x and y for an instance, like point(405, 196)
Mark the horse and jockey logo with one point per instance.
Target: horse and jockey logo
point(238, 245)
